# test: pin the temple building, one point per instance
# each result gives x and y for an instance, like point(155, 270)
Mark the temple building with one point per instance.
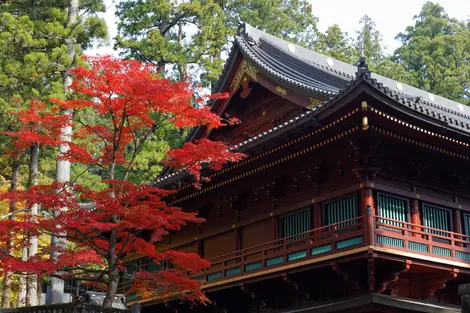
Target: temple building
point(354, 196)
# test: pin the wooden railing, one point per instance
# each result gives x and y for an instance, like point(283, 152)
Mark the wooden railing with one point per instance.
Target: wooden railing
point(367, 230)
point(421, 239)
point(314, 243)
point(311, 244)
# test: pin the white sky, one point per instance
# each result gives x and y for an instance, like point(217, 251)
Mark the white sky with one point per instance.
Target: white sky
point(390, 16)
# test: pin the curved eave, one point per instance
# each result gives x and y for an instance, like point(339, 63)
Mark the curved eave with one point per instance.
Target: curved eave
point(287, 72)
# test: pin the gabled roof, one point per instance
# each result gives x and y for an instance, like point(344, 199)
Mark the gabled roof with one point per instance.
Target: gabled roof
point(309, 70)
point(317, 74)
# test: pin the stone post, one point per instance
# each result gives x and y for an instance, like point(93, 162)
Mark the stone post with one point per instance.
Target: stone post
point(464, 293)
point(135, 308)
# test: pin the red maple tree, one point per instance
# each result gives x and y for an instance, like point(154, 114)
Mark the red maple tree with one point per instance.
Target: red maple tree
point(115, 104)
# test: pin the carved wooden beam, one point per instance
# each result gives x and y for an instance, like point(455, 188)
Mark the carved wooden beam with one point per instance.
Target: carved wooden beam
point(336, 267)
point(364, 156)
point(434, 283)
point(393, 277)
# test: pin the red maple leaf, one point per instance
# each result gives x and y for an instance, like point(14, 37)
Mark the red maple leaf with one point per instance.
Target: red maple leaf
point(114, 105)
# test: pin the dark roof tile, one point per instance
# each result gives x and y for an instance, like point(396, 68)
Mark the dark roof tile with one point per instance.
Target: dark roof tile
point(319, 72)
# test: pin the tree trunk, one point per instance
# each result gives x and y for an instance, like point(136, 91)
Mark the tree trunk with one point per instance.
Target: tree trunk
point(63, 166)
point(7, 276)
point(114, 274)
point(161, 67)
point(32, 293)
point(112, 260)
point(22, 285)
point(181, 65)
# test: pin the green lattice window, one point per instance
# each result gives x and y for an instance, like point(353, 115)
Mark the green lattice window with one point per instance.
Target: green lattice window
point(151, 266)
point(466, 223)
point(339, 210)
point(438, 218)
point(131, 268)
point(295, 223)
point(392, 207)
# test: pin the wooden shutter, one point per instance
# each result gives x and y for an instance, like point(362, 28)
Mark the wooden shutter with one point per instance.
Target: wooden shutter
point(340, 210)
point(391, 207)
point(295, 223)
point(437, 217)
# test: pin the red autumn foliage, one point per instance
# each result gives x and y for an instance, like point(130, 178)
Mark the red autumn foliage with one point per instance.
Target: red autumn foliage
point(114, 107)
point(193, 155)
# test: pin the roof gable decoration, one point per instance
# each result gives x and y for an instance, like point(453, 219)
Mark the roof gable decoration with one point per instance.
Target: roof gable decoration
point(245, 68)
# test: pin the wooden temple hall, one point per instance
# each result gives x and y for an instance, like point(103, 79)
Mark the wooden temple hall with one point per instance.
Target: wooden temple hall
point(354, 197)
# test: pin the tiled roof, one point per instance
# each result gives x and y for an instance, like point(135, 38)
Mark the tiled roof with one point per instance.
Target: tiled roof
point(316, 73)
point(312, 71)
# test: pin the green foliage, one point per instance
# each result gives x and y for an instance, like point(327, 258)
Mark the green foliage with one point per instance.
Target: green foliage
point(33, 58)
point(291, 20)
point(187, 37)
point(147, 164)
point(336, 44)
point(436, 52)
point(178, 34)
point(389, 68)
point(369, 41)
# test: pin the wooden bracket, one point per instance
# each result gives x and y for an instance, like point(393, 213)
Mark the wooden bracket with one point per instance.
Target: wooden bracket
point(434, 283)
point(404, 267)
point(337, 268)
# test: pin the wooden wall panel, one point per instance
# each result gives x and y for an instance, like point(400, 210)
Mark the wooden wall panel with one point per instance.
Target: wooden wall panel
point(435, 193)
point(257, 233)
point(188, 248)
point(219, 244)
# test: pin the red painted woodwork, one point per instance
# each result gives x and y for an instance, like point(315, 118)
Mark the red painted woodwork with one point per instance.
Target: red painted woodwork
point(189, 248)
point(457, 214)
point(257, 233)
point(415, 215)
point(317, 218)
point(221, 244)
point(367, 200)
point(341, 231)
point(330, 234)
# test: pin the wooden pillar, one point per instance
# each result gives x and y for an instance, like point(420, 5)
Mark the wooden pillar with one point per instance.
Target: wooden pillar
point(275, 221)
point(368, 210)
point(457, 225)
point(238, 238)
point(415, 217)
point(317, 215)
point(199, 247)
point(367, 200)
point(317, 222)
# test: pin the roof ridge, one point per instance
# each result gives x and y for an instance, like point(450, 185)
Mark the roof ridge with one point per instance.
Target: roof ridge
point(338, 66)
